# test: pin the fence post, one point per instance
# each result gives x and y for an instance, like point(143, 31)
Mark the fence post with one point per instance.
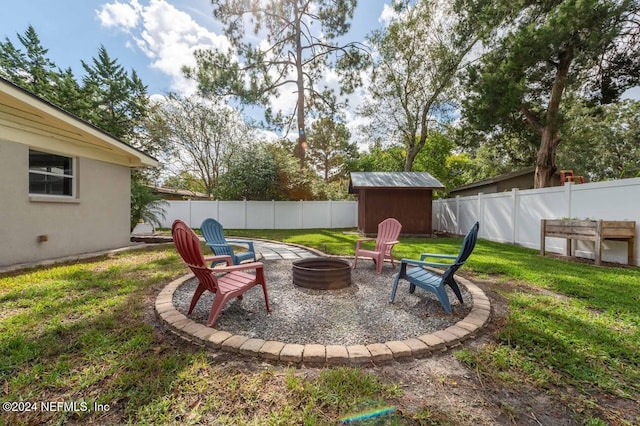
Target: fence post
point(568, 189)
point(457, 224)
point(480, 210)
point(330, 214)
point(301, 214)
point(273, 213)
point(244, 206)
point(189, 210)
point(515, 200)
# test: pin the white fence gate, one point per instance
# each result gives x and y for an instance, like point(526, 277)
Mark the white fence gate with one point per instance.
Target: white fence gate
point(265, 214)
point(514, 217)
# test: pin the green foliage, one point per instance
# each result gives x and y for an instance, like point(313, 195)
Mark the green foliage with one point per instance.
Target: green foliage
point(538, 51)
point(437, 157)
point(602, 143)
point(412, 90)
point(329, 148)
point(29, 69)
point(200, 136)
point(146, 206)
point(118, 102)
point(380, 159)
point(251, 174)
point(287, 52)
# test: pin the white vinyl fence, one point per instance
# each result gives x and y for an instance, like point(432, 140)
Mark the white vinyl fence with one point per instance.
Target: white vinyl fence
point(265, 214)
point(514, 217)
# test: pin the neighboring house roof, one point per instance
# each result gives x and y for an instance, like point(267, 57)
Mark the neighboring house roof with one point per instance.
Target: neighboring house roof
point(27, 119)
point(421, 180)
point(495, 179)
point(184, 193)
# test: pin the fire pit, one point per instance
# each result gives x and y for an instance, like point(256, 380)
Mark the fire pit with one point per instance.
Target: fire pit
point(322, 273)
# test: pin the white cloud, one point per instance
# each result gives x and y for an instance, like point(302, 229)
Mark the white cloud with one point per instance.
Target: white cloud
point(166, 35)
point(387, 15)
point(120, 15)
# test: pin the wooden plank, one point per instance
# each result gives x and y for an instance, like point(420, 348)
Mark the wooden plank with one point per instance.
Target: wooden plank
point(573, 236)
point(598, 244)
point(543, 231)
point(618, 233)
point(590, 230)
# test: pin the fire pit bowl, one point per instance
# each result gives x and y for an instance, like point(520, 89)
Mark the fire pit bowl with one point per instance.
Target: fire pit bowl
point(322, 273)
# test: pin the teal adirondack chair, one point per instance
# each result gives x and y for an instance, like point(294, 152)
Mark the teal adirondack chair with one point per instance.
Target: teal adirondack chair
point(431, 281)
point(213, 233)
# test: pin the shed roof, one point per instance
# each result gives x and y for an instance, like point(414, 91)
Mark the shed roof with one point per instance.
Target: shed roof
point(422, 180)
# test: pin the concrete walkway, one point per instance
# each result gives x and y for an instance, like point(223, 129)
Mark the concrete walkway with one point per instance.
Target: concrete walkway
point(278, 251)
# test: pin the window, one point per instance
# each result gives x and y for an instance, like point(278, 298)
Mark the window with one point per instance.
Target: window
point(50, 174)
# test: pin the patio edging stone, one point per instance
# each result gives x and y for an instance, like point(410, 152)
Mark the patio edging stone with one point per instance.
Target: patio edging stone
point(293, 353)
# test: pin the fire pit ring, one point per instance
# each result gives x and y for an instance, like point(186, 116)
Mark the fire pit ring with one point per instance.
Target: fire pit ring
point(322, 273)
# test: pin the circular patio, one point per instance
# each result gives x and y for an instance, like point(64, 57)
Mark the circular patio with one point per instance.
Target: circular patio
point(352, 325)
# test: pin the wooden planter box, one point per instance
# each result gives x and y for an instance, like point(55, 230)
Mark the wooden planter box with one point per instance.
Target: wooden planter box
point(590, 230)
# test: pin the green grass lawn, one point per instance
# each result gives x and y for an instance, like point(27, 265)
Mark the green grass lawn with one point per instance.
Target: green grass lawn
point(85, 332)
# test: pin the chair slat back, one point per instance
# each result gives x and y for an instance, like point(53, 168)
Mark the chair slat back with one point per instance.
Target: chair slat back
point(388, 230)
point(188, 245)
point(468, 243)
point(212, 231)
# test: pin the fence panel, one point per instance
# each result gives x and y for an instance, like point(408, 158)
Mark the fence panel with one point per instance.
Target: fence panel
point(518, 214)
point(260, 215)
point(497, 217)
point(265, 214)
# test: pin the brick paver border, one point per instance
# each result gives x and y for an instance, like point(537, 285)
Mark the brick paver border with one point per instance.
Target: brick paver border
point(375, 353)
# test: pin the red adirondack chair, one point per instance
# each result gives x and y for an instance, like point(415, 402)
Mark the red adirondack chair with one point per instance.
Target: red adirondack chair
point(234, 282)
point(388, 233)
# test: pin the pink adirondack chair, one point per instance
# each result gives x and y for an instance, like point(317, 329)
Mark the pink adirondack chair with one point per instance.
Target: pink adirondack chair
point(388, 233)
point(234, 282)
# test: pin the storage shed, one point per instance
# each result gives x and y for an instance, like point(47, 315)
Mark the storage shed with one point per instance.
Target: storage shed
point(405, 196)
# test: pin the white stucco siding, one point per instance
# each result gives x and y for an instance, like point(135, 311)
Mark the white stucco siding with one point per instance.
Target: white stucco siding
point(98, 219)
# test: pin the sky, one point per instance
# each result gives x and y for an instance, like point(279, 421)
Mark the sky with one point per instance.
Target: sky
point(154, 37)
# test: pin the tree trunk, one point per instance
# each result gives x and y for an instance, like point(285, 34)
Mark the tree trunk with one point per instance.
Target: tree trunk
point(546, 159)
point(302, 134)
point(412, 153)
point(549, 141)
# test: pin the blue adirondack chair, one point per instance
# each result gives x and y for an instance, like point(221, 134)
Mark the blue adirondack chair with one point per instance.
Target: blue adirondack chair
point(213, 233)
point(431, 281)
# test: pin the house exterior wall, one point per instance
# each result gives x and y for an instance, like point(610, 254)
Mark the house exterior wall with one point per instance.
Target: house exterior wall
point(412, 207)
point(523, 181)
point(98, 219)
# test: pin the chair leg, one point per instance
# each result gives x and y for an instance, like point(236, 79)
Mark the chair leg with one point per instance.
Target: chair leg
point(379, 264)
point(443, 298)
point(392, 297)
point(196, 297)
point(266, 297)
point(355, 261)
point(216, 307)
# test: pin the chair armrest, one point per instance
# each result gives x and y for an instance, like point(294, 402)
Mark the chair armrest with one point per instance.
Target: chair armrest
point(423, 263)
point(241, 267)
point(360, 240)
point(220, 258)
point(423, 256)
point(391, 243)
point(236, 241)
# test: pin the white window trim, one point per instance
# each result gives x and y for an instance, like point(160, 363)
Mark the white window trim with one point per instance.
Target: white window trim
point(50, 198)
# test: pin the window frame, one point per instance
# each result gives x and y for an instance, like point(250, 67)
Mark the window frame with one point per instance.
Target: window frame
point(41, 196)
